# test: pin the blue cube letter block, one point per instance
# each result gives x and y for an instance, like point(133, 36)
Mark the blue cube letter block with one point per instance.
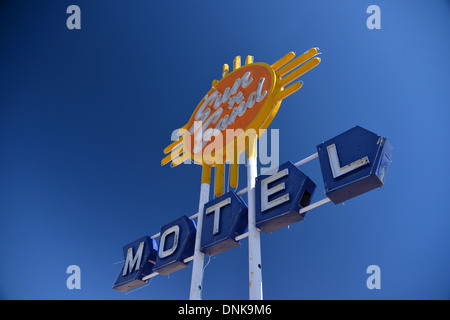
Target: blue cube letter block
point(140, 257)
point(224, 218)
point(353, 163)
point(176, 243)
point(279, 197)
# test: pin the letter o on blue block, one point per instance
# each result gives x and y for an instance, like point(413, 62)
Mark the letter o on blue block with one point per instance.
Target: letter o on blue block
point(176, 243)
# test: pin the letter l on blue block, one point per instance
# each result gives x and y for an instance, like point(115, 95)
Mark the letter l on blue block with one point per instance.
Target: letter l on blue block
point(353, 163)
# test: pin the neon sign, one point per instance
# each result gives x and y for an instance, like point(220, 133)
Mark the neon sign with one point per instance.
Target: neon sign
point(247, 100)
point(244, 100)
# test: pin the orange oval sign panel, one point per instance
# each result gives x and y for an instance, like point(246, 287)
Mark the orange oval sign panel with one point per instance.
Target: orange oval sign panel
point(240, 101)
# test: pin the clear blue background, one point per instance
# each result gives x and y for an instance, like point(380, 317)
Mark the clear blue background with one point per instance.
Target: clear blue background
point(85, 115)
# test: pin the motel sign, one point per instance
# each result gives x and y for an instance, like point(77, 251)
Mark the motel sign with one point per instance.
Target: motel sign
point(280, 198)
point(352, 163)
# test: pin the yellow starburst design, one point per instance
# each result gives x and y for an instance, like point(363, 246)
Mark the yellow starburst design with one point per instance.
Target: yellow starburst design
point(246, 99)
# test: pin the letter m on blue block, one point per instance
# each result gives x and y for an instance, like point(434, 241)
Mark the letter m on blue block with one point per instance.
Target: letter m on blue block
point(140, 256)
point(353, 163)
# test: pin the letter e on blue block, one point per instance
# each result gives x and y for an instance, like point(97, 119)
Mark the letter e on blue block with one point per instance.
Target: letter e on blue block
point(140, 256)
point(353, 163)
point(279, 197)
point(224, 218)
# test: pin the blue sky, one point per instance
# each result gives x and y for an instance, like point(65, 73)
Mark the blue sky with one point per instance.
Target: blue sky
point(85, 115)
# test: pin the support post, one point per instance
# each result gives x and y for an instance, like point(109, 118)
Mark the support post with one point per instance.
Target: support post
point(197, 267)
point(254, 242)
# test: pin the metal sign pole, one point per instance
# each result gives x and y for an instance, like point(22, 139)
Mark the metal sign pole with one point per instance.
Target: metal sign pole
point(197, 267)
point(254, 242)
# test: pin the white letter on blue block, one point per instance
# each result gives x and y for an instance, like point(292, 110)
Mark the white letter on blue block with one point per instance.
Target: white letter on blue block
point(216, 209)
point(165, 253)
point(130, 262)
point(266, 192)
point(336, 167)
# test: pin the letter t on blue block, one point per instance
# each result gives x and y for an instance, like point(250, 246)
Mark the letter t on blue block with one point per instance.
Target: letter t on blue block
point(353, 163)
point(224, 218)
